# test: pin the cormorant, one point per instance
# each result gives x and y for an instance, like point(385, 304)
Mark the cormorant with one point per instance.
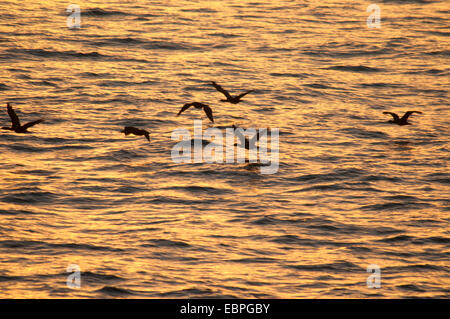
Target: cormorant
point(133, 130)
point(230, 99)
point(403, 120)
point(15, 122)
point(198, 105)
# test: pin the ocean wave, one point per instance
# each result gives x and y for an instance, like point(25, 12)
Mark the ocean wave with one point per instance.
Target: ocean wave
point(254, 260)
point(4, 278)
point(30, 197)
point(289, 75)
point(396, 239)
point(439, 33)
point(200, 10)
point(98, 12)
point(364, 133)
point(436, 72)
point(410, 1)
point(96, 278)
point(308, 242)
point(321, 86)
point(411, 287)
point(415, 268)
point(392, 206)
point(94, 55)
point(383, 85)
point(350, 52)
point(93, 74)
point(336, 175)
point(224, 35)
point(40, 245)
point(51, 53)
point(43, 83)
point(115, 291)
point(441, 52)
point(195, 293)
point(117, 41)
point(336, 267)
point(432, 240)
point(168, 45)
point(201, 189)
point(165, 243)
point(17, 212)
point(36, 172)
point(26, 148)
point(440, 179)
point(380, 177)
point(354, 68)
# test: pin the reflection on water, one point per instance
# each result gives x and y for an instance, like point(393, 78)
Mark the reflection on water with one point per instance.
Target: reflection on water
point(351, 190)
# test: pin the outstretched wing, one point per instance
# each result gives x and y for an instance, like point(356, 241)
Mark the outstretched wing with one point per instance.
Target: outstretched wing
point(30, 124)
point(208, 112)
point(221, 90)
point(395, 116)
point(14, 118)
point(243, 94)
point(184, 108)
point(407, 114)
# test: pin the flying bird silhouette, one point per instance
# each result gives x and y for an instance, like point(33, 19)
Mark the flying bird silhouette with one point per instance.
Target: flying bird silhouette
point(15, 122)
point(133, 130)
point(198, 105)
point(245, 142)
point(403, 120)
point(231, 99)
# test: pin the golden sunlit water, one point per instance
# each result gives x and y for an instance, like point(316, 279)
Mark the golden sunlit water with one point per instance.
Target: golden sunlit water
point(351, 191)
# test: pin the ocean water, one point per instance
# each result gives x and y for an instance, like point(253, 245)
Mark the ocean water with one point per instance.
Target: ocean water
point(351, 190)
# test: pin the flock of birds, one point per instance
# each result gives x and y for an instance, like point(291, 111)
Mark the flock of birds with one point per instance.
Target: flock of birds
point(245, 142)
point(18, 128)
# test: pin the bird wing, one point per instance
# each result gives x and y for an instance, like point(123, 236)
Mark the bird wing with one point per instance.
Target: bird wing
point(184, 108)
point(208, 112)
point(30, 124)
point(407, 114)
point(221, 89)
point(395, 116)
point(14, 118)
point(244, 94)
